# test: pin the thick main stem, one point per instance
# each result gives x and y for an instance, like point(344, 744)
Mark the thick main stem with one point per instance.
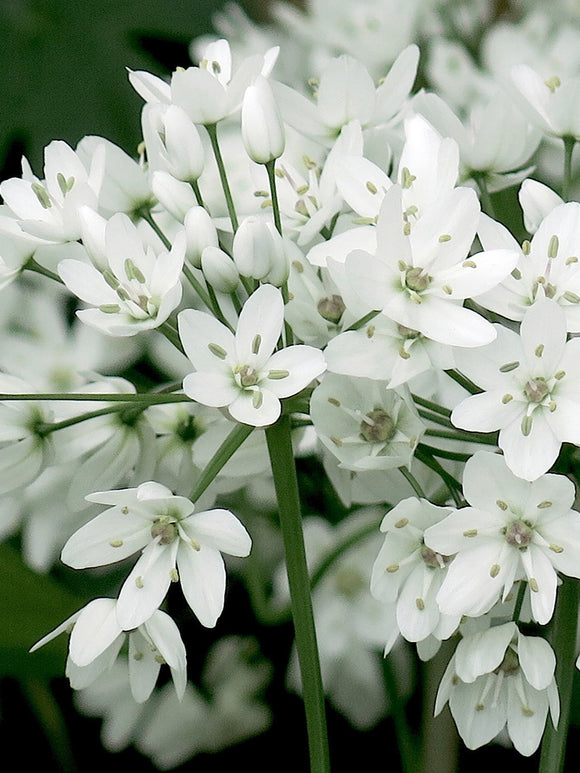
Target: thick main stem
point(563, 641)
point(286, 485)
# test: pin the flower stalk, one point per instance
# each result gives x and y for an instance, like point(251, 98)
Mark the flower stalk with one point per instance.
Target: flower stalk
point(286, 485)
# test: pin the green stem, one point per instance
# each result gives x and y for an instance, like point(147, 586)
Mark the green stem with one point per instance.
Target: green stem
point(286, 485)
point(569, 143)
point(197, 193)
point(172, 335)
point(413, 482)
point(224, 453)
point(563, 640)
point(435, 407)
point(452, 484)
point(470, 437)
point(271, 171)
point(52, 722)
point(148, 398)
point(406, 743)
point(32, 265)
point(363, 320)
point(486, 203)
point(146, 215)
point(213, 138)
point(454, 456)
point(464, 381)
point(440, 741)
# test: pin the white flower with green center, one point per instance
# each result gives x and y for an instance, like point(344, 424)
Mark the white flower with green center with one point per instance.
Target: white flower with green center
point(512, 530)
point(364, 424)
point(500, 677)
point(420, 277)
point(133, 288)
point(96, 639)
point(177, 545)
point(242, 372)
point(532, 394)
point(49, 208)
point(548, 265)
point(409, 573)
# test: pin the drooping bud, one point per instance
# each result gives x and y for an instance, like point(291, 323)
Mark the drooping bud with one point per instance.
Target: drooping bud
point(262, 126)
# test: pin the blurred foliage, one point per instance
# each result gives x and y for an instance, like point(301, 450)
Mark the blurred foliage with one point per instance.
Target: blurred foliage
point(64, 63)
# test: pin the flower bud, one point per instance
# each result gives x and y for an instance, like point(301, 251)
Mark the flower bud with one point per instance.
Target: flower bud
point(253, 247)
point(184, 153)
point(176, 196)
point(200, 233)
point(262, 126)
point(219, 270)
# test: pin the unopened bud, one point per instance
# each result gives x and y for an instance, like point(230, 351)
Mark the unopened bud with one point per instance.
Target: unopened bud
point(219, 270)
point(176, 196)
point(262, 125)
point(200, 232)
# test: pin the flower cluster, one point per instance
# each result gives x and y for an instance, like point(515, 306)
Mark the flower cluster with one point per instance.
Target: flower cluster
point(319, 274)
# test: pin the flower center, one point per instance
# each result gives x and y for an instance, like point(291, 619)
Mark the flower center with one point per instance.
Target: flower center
point(433, 559)
point(536, 390)
point(519, 534)
point(165, 528)
point(407, 332)
point(510, 665)
point(377, 426)
point(416, 279)
point(247, 376)
point(331, 308)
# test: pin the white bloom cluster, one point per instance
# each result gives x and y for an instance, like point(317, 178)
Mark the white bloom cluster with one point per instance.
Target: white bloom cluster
point(308, 249)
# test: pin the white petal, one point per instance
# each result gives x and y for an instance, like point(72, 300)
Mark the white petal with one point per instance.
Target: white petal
point(203, 581)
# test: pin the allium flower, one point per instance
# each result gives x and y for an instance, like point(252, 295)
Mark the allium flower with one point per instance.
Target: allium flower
point(243, 373)
point(532, 390)
point(49, 208)
point(176, 545)
point(210, 92)
point(550, 102)
point(500, 677)
point(548, 266)
point(346, 92)
point(136, 290)
point(96, 638)
point(409, 572)
point(513, 529)
point(364, 424)
point(420, 280)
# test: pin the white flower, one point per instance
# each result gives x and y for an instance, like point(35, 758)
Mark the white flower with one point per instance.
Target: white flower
point(364, 424)
point(513, 529)
point(549, 103)
point(409, 573)
point(346, 92)
point(24, 450)
point(49, 208)
point(137, 290)
point(500, 677)
point(243, 373)
point(96, 638)
point(419, 280)
point(547, 266)
point(176, 545)
point(531, 384)
point(210, 92)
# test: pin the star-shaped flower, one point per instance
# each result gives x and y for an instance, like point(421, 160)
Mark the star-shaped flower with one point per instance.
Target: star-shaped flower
point(177, 545)
point(513, 529)
point(242, 372)
point(531, 390)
